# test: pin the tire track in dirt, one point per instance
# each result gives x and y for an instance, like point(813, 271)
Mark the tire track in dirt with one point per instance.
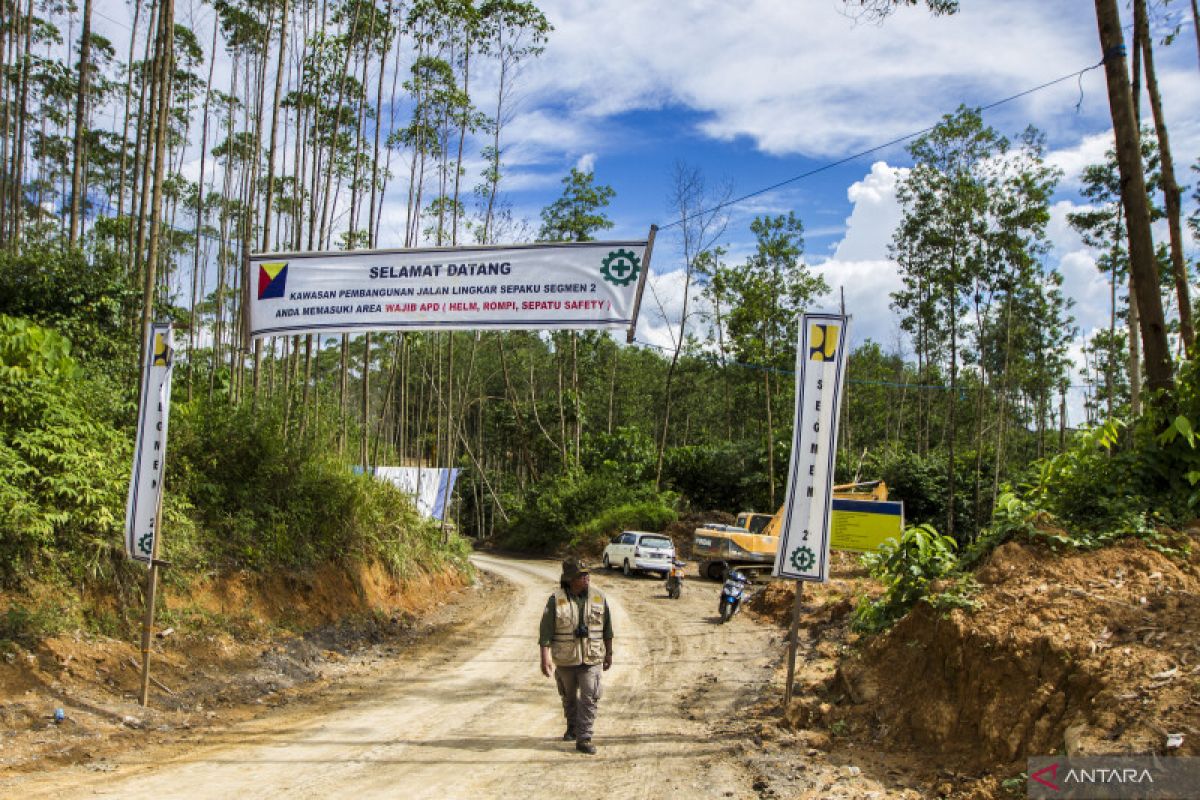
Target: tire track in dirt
point(473, 717)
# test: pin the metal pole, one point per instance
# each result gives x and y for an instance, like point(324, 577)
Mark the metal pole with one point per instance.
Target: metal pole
point(793, 635)
point(637, 298)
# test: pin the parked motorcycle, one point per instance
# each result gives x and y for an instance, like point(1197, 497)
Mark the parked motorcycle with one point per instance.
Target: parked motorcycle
point(675, 579)
point(732, 595)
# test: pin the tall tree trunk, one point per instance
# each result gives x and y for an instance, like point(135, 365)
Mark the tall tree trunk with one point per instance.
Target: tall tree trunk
point(770, 438)
point(166, 42)
point(1143, 268)
point(137, 10)
point(1170, 187)
point(85, 50)
point(200, 209)
point(279, 69)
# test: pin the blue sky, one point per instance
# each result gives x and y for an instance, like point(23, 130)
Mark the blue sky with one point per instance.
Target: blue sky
point(756, 92)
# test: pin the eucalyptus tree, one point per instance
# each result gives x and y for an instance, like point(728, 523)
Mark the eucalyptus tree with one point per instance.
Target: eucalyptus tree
point(511, 32)
point(702, 221)
point(1102, 228)
point(85, 47)
point(1170, 187)
point(576, 216)
point(1143, 265)
point(944, 244)
point(766, 295)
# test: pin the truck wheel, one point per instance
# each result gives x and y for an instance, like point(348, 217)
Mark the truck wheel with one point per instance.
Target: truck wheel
point(607, 563)
point(716, 570)
point(625, 568)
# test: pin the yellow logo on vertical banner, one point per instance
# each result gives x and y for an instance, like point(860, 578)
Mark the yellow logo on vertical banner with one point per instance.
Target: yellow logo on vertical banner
point(162, 353)
point(823, 342)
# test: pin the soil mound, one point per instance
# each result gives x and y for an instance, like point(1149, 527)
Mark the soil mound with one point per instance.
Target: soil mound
point(225, 649)
point(1087, 653)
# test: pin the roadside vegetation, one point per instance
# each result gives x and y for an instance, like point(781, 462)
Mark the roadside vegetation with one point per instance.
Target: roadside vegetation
point(562, 439)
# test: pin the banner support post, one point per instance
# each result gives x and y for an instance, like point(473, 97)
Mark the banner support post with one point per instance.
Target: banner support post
point(641, 287)
point(147, 626)
point(793, 637)
point(148, 617)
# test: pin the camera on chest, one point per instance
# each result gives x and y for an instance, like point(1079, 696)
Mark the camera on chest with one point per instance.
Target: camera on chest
point(581, 631)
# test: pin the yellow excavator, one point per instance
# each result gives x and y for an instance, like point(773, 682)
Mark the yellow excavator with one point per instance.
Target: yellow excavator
point(750, 545)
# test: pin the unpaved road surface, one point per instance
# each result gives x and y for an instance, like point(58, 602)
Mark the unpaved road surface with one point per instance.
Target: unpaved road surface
point(470, 716)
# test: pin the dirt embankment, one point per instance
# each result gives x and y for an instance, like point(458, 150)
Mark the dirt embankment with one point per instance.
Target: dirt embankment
point(1087, 653)
point(233, 646)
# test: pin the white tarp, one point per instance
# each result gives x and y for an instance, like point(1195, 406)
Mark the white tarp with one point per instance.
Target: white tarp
point(820, 371)
point(150, 452)
point(531, 287)
point(430, 487)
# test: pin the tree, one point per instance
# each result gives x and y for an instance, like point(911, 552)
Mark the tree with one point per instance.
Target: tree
point(701, 223)
point(1143, 265)
point(1170, 188)
point(767, 294)
point(575, 217)
point(579, 213)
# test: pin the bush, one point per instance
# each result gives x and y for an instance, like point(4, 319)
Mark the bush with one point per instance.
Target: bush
point(647, 515)
point(264, 501)
point(728, 475)
point(906, 568)
point(63, 466)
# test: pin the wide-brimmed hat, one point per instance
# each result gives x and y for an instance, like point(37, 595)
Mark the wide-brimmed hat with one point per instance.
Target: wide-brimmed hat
point(573, 568)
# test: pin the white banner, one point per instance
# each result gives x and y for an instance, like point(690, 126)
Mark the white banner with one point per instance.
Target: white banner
point(820, 370)
point(531, 287)
point(430, 487)
point(145, 485)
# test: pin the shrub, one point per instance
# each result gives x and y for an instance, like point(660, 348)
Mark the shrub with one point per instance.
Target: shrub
point(906, 568)
point(648, 515)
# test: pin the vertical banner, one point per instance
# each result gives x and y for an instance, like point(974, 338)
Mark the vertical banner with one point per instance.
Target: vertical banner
point(820, 370)
point(145, 485)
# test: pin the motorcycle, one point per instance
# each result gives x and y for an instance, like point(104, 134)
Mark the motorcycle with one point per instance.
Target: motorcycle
point(732, 595)
point(675, 579)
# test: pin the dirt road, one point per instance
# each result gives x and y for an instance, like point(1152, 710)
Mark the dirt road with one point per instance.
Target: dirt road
point(472, 717)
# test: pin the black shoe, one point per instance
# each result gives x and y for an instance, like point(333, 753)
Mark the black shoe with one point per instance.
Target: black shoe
point(569, 736)
point(586, 746)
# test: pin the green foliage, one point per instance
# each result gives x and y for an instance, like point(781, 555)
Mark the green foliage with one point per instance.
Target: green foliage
point(264, 501)
point(82, 300)
point(907, 568)
point(63, 478)
point(579, 213)
point(1099, 491)
point(613, 490)
point(644, 515)
point(728, 476)
point(26, 624)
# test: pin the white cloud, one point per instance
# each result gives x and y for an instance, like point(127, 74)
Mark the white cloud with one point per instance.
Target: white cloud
point(1073, 160)
point(875, 216)
point(805, 78)
point(586, 163)
point(867, 287)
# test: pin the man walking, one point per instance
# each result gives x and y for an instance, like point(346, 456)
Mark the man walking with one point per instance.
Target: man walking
point(576, 641)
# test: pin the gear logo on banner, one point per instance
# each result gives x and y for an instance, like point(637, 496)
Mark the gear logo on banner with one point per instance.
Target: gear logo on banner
point(803, 558)
point(620, 267)
point(272, 280)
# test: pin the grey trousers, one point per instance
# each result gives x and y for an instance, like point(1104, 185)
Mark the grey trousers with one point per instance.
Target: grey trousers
point(579, 688)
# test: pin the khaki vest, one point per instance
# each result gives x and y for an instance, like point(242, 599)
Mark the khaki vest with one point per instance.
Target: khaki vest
point(565, 649)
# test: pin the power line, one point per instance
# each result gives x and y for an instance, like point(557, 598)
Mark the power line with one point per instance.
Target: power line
point(830, 165)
